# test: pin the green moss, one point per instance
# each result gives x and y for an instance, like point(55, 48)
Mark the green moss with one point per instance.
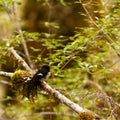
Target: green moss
point(86, 116)
point(18, 78)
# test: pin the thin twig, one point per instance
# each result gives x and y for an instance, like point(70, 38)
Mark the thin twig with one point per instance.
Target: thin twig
point(49, 4)
point(57, 113)
point(20, 59)
point(104, 93)
point(108, 38)
point(69, 60)
point(22, 37)
point(5, 82)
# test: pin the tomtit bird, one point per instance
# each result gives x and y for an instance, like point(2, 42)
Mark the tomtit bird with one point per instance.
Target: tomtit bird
point(30, 88)
point(41, 73)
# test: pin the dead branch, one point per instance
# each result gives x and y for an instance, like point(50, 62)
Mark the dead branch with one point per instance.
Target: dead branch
point(22, 37)
point(6, 74)
point(20, 59)
point(104, 93)
point(5, 82)
point(62, 98)
point(75, 107)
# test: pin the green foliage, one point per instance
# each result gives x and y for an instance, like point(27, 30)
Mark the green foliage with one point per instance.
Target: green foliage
point(80, 66)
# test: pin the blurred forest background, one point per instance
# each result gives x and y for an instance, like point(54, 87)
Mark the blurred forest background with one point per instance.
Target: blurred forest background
point(79, 39)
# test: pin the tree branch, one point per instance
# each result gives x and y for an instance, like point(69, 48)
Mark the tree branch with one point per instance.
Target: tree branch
point(6, 74)
point(75, 107)
point(5, 82)
point(83, 113)
point(20, 59)
point(110, 99)
point(22, 37)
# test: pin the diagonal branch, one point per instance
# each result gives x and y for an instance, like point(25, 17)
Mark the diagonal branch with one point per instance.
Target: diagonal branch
point(75, 107)
point(20, 59)
point(22, 37)
point(19, 29)
point(104, 93)
point(5, 82)
point(82, 112)
point(108, 38)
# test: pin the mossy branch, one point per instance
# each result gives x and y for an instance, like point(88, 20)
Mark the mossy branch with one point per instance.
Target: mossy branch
point(84, 114)
point(19, 75)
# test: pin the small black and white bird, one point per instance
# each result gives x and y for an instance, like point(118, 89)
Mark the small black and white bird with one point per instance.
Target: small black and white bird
point(30, 88)
point(41, 73)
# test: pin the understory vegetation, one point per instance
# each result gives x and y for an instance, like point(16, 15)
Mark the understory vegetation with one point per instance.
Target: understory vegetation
point(85, 66)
